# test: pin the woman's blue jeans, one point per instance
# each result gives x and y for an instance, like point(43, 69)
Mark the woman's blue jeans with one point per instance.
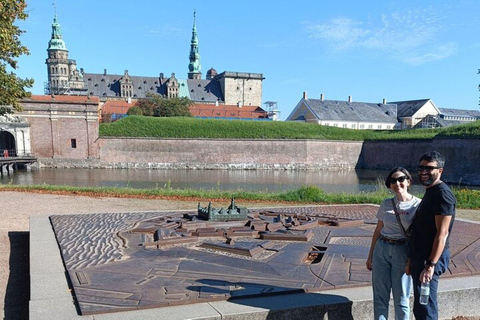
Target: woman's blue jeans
point(388, 275)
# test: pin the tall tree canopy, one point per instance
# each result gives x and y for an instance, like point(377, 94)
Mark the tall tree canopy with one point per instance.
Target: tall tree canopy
point(12, 88)
point(157, 106)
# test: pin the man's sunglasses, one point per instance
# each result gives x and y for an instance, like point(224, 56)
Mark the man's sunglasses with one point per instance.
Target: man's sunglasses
point(399, 179)
point(427, 168)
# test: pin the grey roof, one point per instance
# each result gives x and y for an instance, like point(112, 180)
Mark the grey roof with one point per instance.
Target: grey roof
point(459, 112)
point(108, 85)
point(409, 108)
point(352, 111)
point(204, 90)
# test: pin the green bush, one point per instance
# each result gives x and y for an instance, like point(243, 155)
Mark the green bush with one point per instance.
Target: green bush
point(135, 111)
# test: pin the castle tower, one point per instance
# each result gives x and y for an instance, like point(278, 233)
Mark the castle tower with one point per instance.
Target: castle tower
point(172, 87)
point(57, 61)
point(194, 65)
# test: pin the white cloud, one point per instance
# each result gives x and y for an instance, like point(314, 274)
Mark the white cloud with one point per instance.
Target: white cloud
point(343, 33)
point(440, 53)
point(408, 36)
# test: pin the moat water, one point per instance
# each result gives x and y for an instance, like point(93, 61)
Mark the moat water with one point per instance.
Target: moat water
point(351, 181)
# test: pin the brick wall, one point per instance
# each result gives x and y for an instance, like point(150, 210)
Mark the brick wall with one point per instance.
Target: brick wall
point(462, 156)
point(223, 154)
point(57, 120)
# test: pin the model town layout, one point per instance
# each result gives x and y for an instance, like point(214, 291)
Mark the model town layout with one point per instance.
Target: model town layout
point(130, 261)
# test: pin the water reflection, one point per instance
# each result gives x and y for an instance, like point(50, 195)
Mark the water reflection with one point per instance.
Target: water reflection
point(261, 180)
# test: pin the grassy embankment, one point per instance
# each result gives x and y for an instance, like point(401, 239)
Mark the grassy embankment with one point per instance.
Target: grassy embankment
point(136, 126)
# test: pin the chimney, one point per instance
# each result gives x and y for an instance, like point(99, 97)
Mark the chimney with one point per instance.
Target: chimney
point(129, 100)
point(104, 72)
point(349, 98)
point(384, 101)
point(321, 96)
point(305, 95)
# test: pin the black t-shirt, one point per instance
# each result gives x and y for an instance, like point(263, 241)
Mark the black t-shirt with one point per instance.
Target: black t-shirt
point(438, 200)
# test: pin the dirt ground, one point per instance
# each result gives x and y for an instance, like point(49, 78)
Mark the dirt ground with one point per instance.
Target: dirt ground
point(17, 207)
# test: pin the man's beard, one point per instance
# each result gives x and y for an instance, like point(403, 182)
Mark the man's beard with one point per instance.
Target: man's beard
point(432, 178)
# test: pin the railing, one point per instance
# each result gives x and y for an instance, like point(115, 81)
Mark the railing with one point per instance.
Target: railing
point(7, 153)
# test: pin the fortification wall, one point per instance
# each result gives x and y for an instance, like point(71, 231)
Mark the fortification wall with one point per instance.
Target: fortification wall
point(462, 155)
point(231, 154)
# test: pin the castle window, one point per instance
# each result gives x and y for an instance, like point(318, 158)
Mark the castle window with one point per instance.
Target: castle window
point(96, 84)
point(199, 85)
point(144, 82)
point(103, 80)
point(89, 79)
point(73, 143)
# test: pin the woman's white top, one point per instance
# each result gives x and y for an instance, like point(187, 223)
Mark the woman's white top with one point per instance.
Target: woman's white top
point(406, 209)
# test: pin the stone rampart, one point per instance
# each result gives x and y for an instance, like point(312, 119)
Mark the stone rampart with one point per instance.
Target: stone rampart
point(231, 154)
point(463, 155)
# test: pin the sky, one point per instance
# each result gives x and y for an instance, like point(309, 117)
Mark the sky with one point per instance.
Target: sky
point(370, 50)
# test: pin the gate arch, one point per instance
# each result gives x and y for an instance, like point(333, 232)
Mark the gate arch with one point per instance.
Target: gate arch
point(7, 144)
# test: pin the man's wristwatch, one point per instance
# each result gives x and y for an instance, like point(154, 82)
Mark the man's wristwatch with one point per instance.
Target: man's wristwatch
point(429, 263)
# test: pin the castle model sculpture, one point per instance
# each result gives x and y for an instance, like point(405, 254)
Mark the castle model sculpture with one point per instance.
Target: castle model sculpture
point(232, 213)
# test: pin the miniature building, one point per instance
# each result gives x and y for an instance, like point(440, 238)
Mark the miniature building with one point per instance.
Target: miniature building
point(232, 213)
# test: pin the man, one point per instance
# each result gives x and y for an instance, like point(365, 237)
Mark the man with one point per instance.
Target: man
point(430, 254)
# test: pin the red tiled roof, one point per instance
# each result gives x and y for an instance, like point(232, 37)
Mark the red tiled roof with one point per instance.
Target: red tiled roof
point(117, 107)
point(227, 111)
point(63, 99)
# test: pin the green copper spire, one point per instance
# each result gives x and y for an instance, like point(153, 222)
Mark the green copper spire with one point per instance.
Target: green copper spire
point(56, 42)
point(194, 65)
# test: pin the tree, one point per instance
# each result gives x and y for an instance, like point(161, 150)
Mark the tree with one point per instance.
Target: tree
point(134, 111)
point(157, 106)
point(12, 88)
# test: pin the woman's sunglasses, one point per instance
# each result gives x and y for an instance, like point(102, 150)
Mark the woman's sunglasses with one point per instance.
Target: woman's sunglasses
point(399, 179)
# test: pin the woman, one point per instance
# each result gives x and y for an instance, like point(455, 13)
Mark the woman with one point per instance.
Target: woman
point(389, 250)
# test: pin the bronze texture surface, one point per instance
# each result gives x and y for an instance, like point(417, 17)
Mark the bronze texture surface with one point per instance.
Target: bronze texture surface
point(129, 261)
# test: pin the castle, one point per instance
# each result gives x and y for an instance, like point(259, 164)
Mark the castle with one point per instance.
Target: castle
point(227, 88)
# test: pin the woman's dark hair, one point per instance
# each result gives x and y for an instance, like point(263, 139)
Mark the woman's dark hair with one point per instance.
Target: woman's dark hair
point(398, 169)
